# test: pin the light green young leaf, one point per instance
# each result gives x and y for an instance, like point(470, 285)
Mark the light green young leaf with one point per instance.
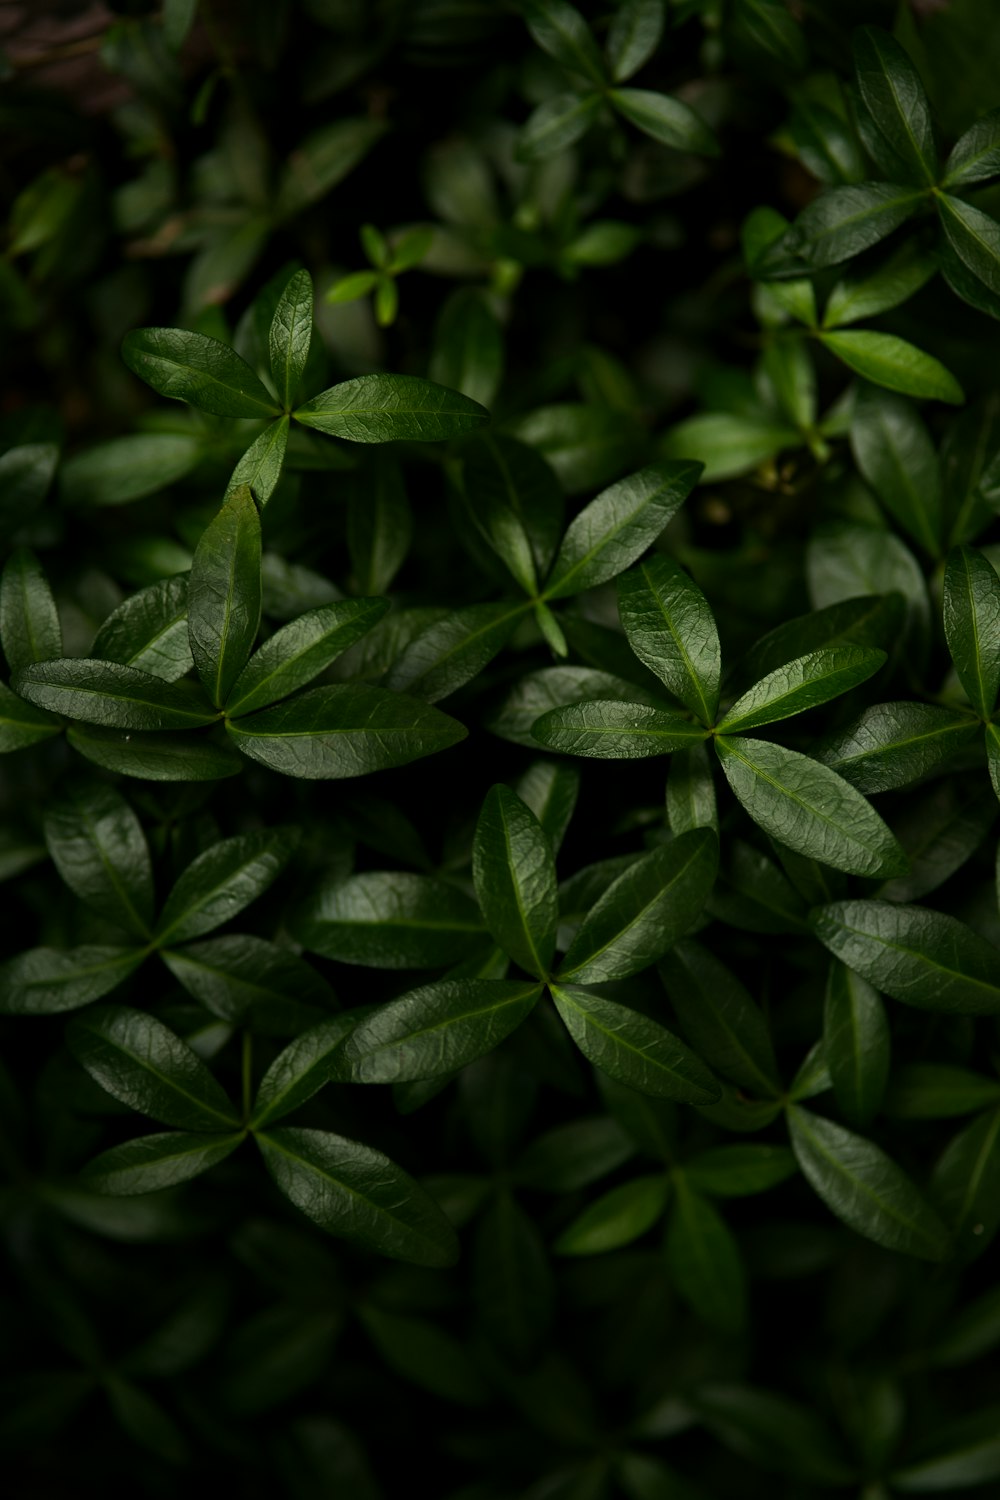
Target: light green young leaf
point(665, 119)
point(222, 881)
point(613, 730)
point(856, 1044)
point(106, 693)
point(632, 1048)
point(299, 651)
point(719, 1016)
point(894, 452)
point(29, 621)
point(290, 335)
point(98, 846)
point(515, 878)
point(897, 102)
point(224, 594)
point(617, 1218)
point(151, 1163)
point(972, 625)
point(672, 631)
point(43, 981)
point(633, 36)
point(202, 371)
point(260, 466)
point(801, 685)
point(391, 920)
point(149, 630)
point(892, 362)
point(386, 408)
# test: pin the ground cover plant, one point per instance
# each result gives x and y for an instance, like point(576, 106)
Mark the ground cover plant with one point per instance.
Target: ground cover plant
point(501, 749)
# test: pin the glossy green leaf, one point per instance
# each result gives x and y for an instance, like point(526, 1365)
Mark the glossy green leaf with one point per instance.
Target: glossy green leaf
point(43, 981)
point(290, 335)
point(632, 1048)
point(379, 525)
point(222, 881)
point(840, 224)
point(857, 297)
point(729, 443)
point(260, 467)
point(671, 629)
point(613, 730)
point(644, 912)
point(617, 1218)
point(98, 846)
point(450, 652)
point(753, 894)
point(149, 630)
point(993, 754)
point(436, 1030)
point(802, 684)
point(855, 1044)
point(892, 362)
point(867, 621)
point(202, 371)
point(241, 978)
point(965, 1185)
point(151, 1163)
point(845, 559)
point(155, 757)
point(974, 237)
point(895, 98)
point(347, 730)
point(357, 1193)
point(560, 30)
point(106, 693)
point(26, 472)
point(739, 1171)
point(549, 789)
point(393, 920)
point(633, 36)
point(224, 595)
point(556, 124)
point(937, 1091)
point(516, 503)
point(386, 408)
point(893, 450)
point(555, 687)
point(809, 807)
point(515, 878)
point(300, 651)
point(691, 791)
point(666, 119)
point(916, 955)
point(145, 1065)
point(614, 529)
point(892, 744)
point(300, 1071)
point(975, 157)
point(865, 1188)
point(21, 724)
point(29, 622)
point(972, 625)
point(704, 1262)
point(719, 1017)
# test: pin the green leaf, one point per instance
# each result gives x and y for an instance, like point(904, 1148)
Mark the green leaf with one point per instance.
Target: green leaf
point(772, 1432)
point(632, 1048)
point(767, 28)
point(98, 846)
point(379, 525)
point(393, 920)
point(149, 630)
point(857, 297)
point(224, 595)
point(555, 687)
point(665, 119)
point(974, 237)
point(260, 467)
point(290, 335)
point(202, 371)
point(29, 622)
point(243, 979)
point(965, 1452)
point(614, 529)
point(965, 1186)
point(584, 443)
point(892, 744)
point(894, 452)
point(106, 693)
point(155, 757)
point(617, 1218)
point(421, 1352)
point(855, 1044)
point(299, 651)
point(346, 730)
point(739, 1171)
point(993, 754)
point(754, 895)
point(691, 792)
point(865, 1188)
point(350, 288)
point(468, 352)
point(512, 1281)
point(322, 159)
point(151, 1163)
point(616, 731)
point(436, 1030)
point(838, 225)
point(718, 1015)
point(809, 807)
point(704, 1261)
point(143, 1064)
point(300, 1071)
point(801, 685)
point(572, 1156)
point(21, 724)
point(845, 559)
point(972, 625)
point(729, 443)
point(827, 146)
point(892, 362)
point(868, 621)
point(549, 789)
point(975, 157)
point(556, 124)
point(355, 1192)
point(923, 957)
point(515, 878)
point(386, 408)
point(561, 31)
point(936, 1091)
point(222, 881)
point(515, 502)
point(671, 629)
point(26, 472)
point(786, 373)
point(895, 98)
point(450, 652)
point(965, 283)
point(633, 36)
point(644, 912)
point(128, 468)
point(178, 16)
point(43, 981)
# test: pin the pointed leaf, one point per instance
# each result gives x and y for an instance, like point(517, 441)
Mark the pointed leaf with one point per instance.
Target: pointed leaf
point(516, 503)
point(379, 525)
point(224, 595)
point(555, 687)
point(29, 622)
point(468, 350)
point(556, 124)
point(892, 362)
point(972, 625)
point(892, 744)
point(739, 1171)
point(633, 36)
point(550, 789)
point(965, 1186)
point(290, 335)
point(21, 724)
point(515, 878)
point(616, 1218)
point(260, 467)
point(354, 1191)
point(672, 631)
point(202, 371)
point(975, 157)
point(704, 1261)
point(561, 31)
point(299, 651)
point(936, 1091)
point(100, 850)
point(155, 757)
point(43, 981)
point(855, 1044)
point(894, 452)
point(897, 102)
point(801, 685)
point(391, 920)
point(386, 408)
point(691, 792)
point(613, 730)
point(450, 652)
point(840, 224)
point(243, 979)
point(974, 237)
point(512, 1281)
point(106, 693)
point(222, 881)
point(322, 159)
point(857, 297)
point(632, 1048)
point(149, 630)
point(719, 1016)
point(665, 119)
point(151, 1163)
point(300, 1071)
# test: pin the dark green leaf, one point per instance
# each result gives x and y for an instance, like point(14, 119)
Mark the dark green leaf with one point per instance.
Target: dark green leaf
point(892, 744)
point(965, 1186)
point(801, 685)
point(512, 1281)
point(839, 225)
point(99, 849)
point(754, 895)
point(151, 1163)
point(290, 335)
point(550, 789)
point(298, 652)
point(450, 652)
point(633, 36)
point(425, 1355)
point(644, 912)
point(809, 807)
point(868, 621)
point(128, 468)
point(149, 630)
point(936, 1091)
point(614, 529)
point(247, 979)
point(666, 119)
point(260, 467)
point(43, 981)
point(573, 1156)
point(555, 687)
point(556, 124)
point(349, 730)
point(767, 27)
point(322, 159)
point(845, 559)
point(894, 452)
point(922, 957)
point(855, 1044)
point(586, 445)
point(972, 625)
point(613, 730)
point(964, 1453)
point(865, 1188)
point(354, 1191)
point(21, 724)
point(224, 595)
point(300, 1071)
point(857, 297)
point(26, 472)
point(691, 792)
point(773, 1432)
point(143, 1064)
point(29, 623)
point(515, 501)
point(106, 693)
point(671, 629)
point(704, 1261)
point(976, 154)
point(632, 1048)
point(616, 1218)
point(155, 757)
point(436, 1029)
point(202, 371)
point(892, 362)
point(385, 408)
point(895, 98)
point(379, 525)
point(561, 31)
point(718, 1015)
point(222, 881)
point(826, 144)
point(974, 237)
point(390, 921)
point(468, 354)
point(739, 1171)
point(515, 878)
